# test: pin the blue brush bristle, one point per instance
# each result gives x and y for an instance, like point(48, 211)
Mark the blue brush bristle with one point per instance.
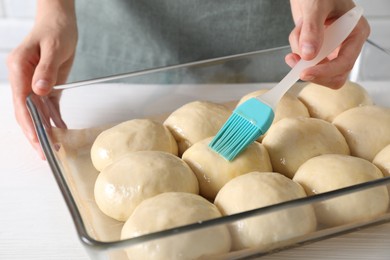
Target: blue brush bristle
point(247, 123)
point(235, 135)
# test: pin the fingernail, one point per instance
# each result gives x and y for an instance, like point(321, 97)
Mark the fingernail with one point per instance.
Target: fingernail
point(42, 85)
point(308, 49)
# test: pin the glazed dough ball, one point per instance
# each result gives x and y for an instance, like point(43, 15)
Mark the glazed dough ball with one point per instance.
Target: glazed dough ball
point(326, 103)
point(173, 209)
point(330, 172)
point(196, 121)
point(366, 129)
point(130, 136)
point(292, 141)
point(289, 105)
point(213, 171)
point(136, 176)
point(259, 189)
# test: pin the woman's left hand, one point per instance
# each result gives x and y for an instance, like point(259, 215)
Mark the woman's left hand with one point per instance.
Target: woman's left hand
point(311, 18)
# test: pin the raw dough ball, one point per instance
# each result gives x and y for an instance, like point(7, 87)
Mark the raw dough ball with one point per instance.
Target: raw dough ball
point(366, 129)
point(259, 189)
point(330, 172)
point(382, 161)
point(136, 176)
point(196, 121)
point(213, 171)
point(130, 136)
point(326, 103)
point(289, 105)
point(173, 209)
point(292, 141)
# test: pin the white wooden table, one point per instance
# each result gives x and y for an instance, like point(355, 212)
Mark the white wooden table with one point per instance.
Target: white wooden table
point(35, 223)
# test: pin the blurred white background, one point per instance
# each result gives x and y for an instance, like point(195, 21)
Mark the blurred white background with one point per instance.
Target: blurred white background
point(17, 18)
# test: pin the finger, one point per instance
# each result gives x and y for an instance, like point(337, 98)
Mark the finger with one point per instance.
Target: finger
point(311, 37)
point(21, 64)
point(45, 75)
point(53, 112)
point(334, 82)
point(330, 73)
point(292, 59)
point(312, 31)
point(24, 120)
point(294, 37)
point(39, 150)
point(53, 98)
point(21, 70)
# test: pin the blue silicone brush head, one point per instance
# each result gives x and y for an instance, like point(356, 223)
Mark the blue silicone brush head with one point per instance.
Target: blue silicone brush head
point(247, 123)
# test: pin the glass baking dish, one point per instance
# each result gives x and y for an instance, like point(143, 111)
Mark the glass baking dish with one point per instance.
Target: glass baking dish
point(89, 107)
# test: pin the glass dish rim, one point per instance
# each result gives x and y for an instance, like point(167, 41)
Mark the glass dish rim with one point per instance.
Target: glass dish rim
point(90, 242)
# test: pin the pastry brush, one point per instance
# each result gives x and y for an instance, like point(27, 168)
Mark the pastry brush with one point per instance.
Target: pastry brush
point(253, 118)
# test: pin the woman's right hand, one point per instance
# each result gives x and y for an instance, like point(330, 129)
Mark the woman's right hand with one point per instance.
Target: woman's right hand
point(43, 59)
point(311, 18)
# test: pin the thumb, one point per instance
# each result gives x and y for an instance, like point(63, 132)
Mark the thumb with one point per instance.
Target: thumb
point(312, 33)
point(45, 74)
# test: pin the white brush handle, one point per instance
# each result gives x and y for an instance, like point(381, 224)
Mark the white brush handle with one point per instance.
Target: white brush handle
point(334, 35)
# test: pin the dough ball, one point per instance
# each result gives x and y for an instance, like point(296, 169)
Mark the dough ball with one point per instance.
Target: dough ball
point(173, 209)
point(366, 129)
point(382, 161)
point(292, 141)
point(326, 103)
point(289, 105)
point(196, 121)
point(213, 171)
point(130, 136)
point(330, 172)
point(259, 189)
point(136, 176)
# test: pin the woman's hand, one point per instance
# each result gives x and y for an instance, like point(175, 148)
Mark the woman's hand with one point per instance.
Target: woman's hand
point(311, 18)
point(43, 59)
